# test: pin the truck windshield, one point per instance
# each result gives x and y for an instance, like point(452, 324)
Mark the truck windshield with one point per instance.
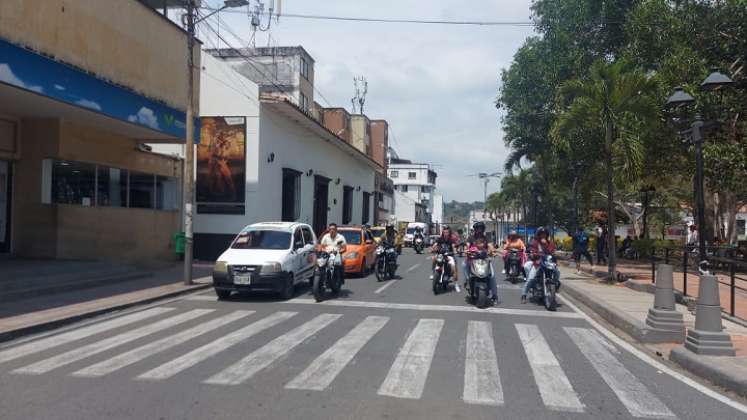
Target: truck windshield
point(411, 231)
point(262, 239)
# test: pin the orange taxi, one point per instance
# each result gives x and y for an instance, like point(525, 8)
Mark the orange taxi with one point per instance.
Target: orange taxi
point(360, 256)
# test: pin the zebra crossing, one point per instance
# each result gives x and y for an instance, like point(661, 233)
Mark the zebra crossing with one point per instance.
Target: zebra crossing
point(407, 373)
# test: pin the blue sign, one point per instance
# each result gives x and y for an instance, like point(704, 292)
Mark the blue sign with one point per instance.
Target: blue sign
point(27, 70)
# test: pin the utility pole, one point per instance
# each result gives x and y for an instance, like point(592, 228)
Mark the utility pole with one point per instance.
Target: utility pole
point(189, 147)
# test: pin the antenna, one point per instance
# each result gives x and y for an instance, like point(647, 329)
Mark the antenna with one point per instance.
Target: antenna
point(361, 89)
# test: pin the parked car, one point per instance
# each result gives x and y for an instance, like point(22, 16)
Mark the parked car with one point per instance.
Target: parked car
point(360, 255)
point(272, 256)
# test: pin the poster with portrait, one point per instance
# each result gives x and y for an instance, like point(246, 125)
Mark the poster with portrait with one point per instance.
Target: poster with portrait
point(221, 164)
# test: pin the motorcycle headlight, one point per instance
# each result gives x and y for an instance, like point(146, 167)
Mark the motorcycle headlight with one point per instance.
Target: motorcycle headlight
point(321, 262)
point(271, 267)
point(439, 258)
point(351, 256)
point(220, 267)
point(380, 250)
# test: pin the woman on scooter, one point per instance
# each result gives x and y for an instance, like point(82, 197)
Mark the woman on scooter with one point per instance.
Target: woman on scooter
point(514, 242)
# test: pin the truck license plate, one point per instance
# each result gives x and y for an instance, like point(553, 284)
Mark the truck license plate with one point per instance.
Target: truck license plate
point(243, 280)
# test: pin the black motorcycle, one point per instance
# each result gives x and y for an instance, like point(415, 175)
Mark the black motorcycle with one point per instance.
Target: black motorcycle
point(442, 274)
point(327, 276)
point(418, 244)
point(546, 288)
point(386, 261)
point(479, 276)
point(514, 270)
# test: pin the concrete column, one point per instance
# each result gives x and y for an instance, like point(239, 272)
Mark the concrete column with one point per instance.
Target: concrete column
point(708, 337)
point(664, 322)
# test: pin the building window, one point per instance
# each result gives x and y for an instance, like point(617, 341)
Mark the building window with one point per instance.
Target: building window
point(404, 188)
point(394, 174)
point(73, 183)
point(412, 175)
point(741, 228)
point(366, 207)
point(304, 102)
point(291, 195)
point(347, 205)
point(304, 68)
point(87, 184)
point(112, 187)
point(167, 193)
point(142, 195)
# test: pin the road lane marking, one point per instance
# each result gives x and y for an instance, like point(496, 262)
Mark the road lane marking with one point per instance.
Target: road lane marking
point(147, 350)
point(207, 298)
point(482, 382)
point(270, 352)
point(554, 387)
point(407, 376)
point(108, 343)
point(639, 401)
point(382, 288)
point(200, 354)
point(437, 308)
point(322, 371)
point(77, 334)
point(414, 267)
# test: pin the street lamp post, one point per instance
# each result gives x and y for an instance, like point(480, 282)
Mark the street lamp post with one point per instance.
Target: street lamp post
point(189, 152)
point(679, 98)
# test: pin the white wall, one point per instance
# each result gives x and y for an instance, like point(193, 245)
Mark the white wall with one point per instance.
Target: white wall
point(404, 207)
point(438, 208)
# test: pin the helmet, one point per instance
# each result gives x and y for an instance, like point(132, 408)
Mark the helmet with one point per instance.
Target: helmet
point(540, 231)
point(479, 226)
point(513, 233)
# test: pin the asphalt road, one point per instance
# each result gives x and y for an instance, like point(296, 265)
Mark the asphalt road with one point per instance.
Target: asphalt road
point(388, 350)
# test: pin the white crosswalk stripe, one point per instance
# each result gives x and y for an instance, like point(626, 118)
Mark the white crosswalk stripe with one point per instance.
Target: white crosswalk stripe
point(636, 398)
point(109, 343)
point(147, 350)
point(322, 371)
point(407, 376)
point(554, 387)
point(270, 352)
point(77, 334)
point(211, 349)
point(482, 382)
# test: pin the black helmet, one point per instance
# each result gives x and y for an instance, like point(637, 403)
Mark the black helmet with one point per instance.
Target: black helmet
point(540, 231)
point(479, 226)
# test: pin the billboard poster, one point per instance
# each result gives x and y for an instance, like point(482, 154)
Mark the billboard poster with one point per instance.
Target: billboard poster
point(221, 163)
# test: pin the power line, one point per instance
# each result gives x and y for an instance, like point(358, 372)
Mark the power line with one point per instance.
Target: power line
point(395, 20)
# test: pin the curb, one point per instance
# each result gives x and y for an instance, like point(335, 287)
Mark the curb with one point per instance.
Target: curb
point(730, 377)
point(50, 325)
point(76, 285)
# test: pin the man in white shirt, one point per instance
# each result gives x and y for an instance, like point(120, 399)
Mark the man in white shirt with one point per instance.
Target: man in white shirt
point(332, 241)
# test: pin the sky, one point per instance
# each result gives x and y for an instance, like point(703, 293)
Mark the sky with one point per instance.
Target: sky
point(436, 85)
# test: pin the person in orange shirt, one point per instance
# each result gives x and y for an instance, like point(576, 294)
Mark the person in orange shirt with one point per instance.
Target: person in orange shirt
point(514, 242)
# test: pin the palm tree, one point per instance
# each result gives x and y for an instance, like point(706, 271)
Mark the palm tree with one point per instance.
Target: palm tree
point(616, 100)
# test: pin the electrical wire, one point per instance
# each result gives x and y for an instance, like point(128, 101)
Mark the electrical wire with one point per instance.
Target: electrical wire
point(395, 20)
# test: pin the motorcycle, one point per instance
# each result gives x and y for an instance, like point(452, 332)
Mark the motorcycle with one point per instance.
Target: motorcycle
point(442, 272)
point(327, 276)
point(418, 245)
point(514, 266)
point(545, 288)
point(479, 276)
point(386, 262)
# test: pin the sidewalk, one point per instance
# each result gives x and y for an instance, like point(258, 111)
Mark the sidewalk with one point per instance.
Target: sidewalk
point(639, 277)
point(47, 311)
point(627, 310)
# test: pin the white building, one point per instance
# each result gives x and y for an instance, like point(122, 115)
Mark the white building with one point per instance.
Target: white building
point(417, 182)
point(296, 170)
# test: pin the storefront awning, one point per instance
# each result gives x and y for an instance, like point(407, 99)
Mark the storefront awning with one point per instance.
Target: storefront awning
point(32, 85)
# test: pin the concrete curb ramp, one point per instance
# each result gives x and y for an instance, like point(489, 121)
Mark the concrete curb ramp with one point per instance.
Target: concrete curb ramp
point(722, 371)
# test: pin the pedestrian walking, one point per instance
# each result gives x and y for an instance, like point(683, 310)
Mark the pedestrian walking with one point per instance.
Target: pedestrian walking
point(581, 249)
point(601, 244)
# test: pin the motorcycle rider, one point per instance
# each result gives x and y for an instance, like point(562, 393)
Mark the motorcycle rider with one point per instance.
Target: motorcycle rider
point(390, 239)
point(478, 232)
point(541, 246)
point(514, 242)
point(479, 245)
point(449, 240)
point(330, 242)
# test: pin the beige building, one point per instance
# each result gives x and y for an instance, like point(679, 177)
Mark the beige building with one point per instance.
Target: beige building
point(84, 84)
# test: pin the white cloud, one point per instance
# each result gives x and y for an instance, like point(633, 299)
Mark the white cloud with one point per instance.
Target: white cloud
point(88, 104)
point(145, 116)
point(7, 76)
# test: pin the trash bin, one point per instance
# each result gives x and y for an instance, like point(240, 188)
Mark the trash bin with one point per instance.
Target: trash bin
point(179, 241)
